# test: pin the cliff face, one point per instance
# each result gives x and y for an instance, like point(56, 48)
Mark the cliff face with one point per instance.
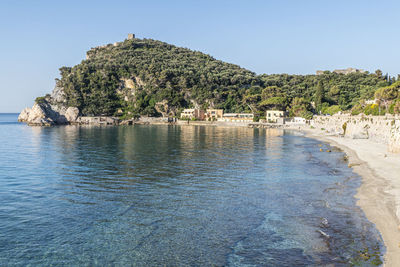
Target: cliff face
point(380, 129)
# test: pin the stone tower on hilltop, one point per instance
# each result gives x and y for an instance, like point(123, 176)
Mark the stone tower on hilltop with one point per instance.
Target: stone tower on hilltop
point(131, 36)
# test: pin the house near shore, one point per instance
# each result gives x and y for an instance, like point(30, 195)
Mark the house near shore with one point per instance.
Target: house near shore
point(237, 117)
point(275, 116)
point(192, 113)
point(214, 114)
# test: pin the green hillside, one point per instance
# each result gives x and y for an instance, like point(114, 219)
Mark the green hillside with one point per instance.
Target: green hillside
point(160, 72)
point(149, 77)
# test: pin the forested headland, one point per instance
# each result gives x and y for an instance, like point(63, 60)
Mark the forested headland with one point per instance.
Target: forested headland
point(148, 77)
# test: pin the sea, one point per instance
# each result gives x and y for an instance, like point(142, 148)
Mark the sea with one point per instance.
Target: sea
point(168, 195)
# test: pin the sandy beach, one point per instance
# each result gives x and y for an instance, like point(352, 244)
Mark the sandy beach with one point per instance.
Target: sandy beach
point(379, 194)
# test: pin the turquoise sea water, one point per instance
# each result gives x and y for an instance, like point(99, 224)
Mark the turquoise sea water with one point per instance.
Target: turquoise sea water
point(175, 196)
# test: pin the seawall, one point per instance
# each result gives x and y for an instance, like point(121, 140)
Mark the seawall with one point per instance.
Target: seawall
point(379, 129)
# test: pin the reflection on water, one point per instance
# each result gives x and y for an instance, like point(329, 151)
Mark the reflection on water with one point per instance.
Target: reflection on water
point(175, 196)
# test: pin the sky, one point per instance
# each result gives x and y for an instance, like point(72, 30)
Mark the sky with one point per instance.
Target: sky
point(270, 36)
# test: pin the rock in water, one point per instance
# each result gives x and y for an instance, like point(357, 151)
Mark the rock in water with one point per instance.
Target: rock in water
point(24, 115)
point(323, 234)
point(51, 110)
point(45, 114)
point(325, 222)
point(37, 115)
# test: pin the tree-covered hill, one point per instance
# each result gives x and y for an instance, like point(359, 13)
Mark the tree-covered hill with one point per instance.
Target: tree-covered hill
point(149, 77)
point(136, 74)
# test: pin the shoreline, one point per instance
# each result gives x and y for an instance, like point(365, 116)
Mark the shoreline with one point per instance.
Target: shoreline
point(378, 196)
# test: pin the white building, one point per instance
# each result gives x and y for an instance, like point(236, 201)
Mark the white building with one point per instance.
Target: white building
point(275, 116)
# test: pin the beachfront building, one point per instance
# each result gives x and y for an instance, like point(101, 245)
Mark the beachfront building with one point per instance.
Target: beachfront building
point(192, 113)
point(237, 117)
point(214, 114)
point(275, 116)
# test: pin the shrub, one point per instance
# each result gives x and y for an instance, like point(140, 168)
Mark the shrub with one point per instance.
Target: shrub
point(40, 100)
point(373, 110)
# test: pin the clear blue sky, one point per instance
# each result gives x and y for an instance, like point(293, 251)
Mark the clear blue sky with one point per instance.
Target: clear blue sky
point(296, 37)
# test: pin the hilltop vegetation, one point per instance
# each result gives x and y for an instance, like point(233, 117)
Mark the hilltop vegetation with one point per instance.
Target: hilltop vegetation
point(327, 93)
point(148, 77)
point(159, 72)
point(388, 101)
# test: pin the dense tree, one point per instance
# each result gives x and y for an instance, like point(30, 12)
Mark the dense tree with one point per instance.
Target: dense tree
point(299, 107)
point(276, 102)
point(378, 73)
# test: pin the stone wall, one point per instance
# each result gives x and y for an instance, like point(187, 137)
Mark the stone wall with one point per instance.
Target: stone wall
point(99, 120)
point(380, 129)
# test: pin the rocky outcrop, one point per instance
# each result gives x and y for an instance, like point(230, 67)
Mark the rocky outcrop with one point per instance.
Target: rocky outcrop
point(72, 114)
point(165, 109)
point(58, 94)
point(380, 129)
point(24, 115)
point(45, 114)
point(50, 110)
point(129, 87)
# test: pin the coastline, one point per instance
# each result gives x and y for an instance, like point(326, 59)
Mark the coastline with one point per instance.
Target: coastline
point(379, 193)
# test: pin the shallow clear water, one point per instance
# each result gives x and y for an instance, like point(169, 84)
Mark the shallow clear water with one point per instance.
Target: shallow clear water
point(175, 196)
